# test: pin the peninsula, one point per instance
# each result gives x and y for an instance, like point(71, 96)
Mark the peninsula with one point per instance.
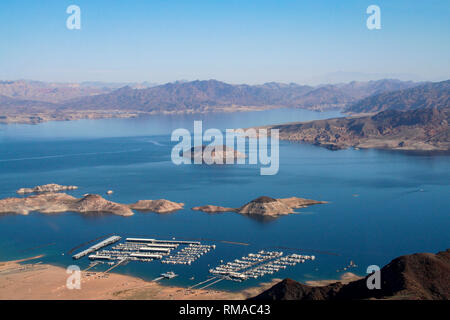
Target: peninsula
point(421, 129)
point(410, 119)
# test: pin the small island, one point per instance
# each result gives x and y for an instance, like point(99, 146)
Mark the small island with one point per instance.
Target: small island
point(158, 206)
point(51, 187)
point(51, 202)
point(264, 206)
point(215, 154)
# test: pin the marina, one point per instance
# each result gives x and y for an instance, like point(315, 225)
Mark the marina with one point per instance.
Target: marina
point(188, 254)
point(184, 252)
point(301, 234)
point(256, 265)
point(147, 250)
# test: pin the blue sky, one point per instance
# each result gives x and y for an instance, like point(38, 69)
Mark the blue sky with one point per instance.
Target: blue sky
point(234, 41)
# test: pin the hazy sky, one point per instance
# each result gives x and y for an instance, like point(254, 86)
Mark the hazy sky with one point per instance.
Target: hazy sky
point(235, 41)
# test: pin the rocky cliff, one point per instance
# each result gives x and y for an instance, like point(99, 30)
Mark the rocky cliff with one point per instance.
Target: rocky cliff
point(423, 276)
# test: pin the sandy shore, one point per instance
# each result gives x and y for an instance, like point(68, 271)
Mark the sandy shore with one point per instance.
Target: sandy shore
point(34, 280)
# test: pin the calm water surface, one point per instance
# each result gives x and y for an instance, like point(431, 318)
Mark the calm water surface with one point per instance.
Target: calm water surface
point(381, 204)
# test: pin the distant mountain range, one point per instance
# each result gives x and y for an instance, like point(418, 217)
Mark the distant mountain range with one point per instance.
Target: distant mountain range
point(49, 92)
point(33, 101)
point(212, 94)
point(57, 92)
point(420, 276)
point(10, 105)
point(195, 95)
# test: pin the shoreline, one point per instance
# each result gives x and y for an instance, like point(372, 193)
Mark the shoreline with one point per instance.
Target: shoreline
point(31, 281)
point(72, 115)
point(37, 281)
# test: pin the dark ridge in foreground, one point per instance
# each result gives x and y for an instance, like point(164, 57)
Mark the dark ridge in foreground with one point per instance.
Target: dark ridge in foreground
point(420, 276)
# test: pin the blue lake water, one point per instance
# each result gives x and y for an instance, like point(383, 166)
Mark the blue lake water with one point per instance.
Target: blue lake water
point(381, 204)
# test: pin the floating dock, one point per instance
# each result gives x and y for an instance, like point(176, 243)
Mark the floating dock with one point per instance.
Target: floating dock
point(166, 250)
point(144, 240)
point(163, 245)
point(99, 257)
point(146, 255)
point(96, 247)
point(256, 265)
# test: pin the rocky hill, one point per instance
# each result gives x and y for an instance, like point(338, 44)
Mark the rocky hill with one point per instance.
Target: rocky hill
point(420, 129)
point(264, 207)
point(420, 276)
point(52, 202)
point(51, 187)
point(159, 206)
point(60, 202)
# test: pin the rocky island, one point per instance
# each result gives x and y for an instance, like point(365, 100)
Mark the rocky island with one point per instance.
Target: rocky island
point(51, 187)
point(218, 154)
point(158, 206)
point(264, 206)
point(51, 202)
point(60, 202)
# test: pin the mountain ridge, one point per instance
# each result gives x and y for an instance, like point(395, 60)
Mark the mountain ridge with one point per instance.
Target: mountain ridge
point(212, 93)
point(420, 129)
point(419, 276)
point(199, 96)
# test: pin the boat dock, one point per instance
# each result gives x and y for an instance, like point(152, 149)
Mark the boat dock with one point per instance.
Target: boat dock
point(185, 252)
point(114, 266)
point(144, 240)
point(256, 265)
point(166, 275)
point(189, 254)
point(92, 265)
point(207, 280)
point(97, 247)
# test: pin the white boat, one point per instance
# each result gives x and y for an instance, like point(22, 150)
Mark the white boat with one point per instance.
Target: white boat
point(169, 275)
